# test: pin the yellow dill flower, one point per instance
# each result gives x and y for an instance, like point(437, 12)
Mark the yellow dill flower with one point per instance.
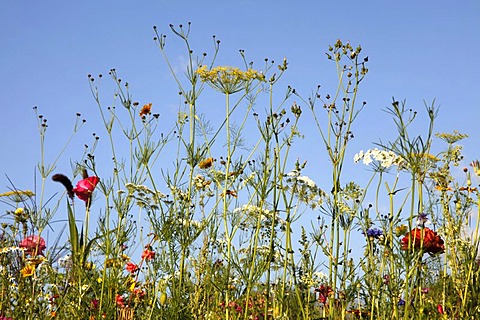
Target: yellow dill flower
point(19, 211)
point(228, 79)
point(451, 138)
point(28, 270)
point(426, 156)
point(18, 195)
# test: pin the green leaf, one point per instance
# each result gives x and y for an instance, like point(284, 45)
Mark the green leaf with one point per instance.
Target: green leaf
point(73, 233)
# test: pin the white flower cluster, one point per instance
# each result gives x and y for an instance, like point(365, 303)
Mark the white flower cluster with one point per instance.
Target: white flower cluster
point(11, 249)
point(255, 212)
point(252, 210)
point(385, 159)
point(190, 223)
point(142, 190)
point(305, 189)
point(295, 175)
point(66, 262)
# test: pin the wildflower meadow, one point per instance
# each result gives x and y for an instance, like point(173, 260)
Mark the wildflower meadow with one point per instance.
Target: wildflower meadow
point(216, 219)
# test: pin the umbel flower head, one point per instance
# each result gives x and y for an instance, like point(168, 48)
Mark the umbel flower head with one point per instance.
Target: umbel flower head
point(228, 79)
point(425, 239)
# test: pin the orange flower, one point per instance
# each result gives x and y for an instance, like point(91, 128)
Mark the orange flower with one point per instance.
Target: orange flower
point(442, 188)
point(206, 163)
point(232, 193)
point(146, 109)
point(148, 254)
point(131, 267)
point(120, 300)
point(425, 239)
point(28, 271)
point(469, 189)
point(139, 293)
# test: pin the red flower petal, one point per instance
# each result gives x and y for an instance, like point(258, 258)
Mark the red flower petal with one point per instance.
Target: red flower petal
point(440, 309)
point(85, 187)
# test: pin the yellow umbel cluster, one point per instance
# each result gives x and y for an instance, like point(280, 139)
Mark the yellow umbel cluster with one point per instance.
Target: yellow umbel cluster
point(228, 79)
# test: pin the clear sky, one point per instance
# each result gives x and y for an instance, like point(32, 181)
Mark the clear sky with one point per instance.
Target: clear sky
point(418, 50)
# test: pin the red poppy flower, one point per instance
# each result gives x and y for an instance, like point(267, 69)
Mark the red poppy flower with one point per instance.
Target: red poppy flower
point(85, 187)
point(131, 267)
point(424, 238)
point(34, 245)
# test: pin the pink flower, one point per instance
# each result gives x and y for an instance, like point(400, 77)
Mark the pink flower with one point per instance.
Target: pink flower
point(34, 245)
point(94, 304)
point(85, 187)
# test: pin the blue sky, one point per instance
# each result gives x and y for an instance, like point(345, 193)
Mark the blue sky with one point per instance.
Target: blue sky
point(417, 51)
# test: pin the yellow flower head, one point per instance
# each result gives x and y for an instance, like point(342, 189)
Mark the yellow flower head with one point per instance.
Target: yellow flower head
point(28, 270)
point(228, 79)
point(401, 230)
point(18, 195)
